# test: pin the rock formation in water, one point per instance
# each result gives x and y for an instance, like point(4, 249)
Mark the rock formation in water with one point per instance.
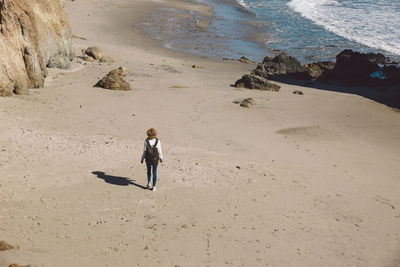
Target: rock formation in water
point(34, 34)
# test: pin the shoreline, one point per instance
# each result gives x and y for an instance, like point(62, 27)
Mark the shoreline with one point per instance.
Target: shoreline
point(286, 182)
point(206, 34)
point(251, 40)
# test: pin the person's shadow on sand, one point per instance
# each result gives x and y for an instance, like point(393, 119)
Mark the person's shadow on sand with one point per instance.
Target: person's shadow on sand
point(117, 180)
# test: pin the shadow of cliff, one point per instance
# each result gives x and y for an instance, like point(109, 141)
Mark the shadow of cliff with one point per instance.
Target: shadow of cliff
point(116, 180)
point(387, 95)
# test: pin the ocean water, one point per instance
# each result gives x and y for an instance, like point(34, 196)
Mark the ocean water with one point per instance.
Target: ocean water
point(321, 28)
point(311, 30)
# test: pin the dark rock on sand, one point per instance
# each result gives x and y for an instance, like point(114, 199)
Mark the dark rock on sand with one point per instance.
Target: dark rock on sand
point(18, 265)
point(350, 67)
point(251, 81)
point(318, 69)
point(282, 64)
point(298, 92)
point(115, 80)
point(246, 103)
point(356, 68)
point(392, 74)
point(5, 246)
point(353, 67)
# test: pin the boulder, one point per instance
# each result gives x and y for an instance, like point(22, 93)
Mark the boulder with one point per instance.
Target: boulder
point(115, 80)
point(318, 69)
point(392, 74)
point(251, 81)
point(246, 102)
point(298, 92)
point(34, 34)
point(94, 52)
point(282, 64)
point(377, 58)
point(353, 67)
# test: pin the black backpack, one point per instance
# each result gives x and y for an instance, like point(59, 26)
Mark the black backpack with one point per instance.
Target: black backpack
point(152, 156)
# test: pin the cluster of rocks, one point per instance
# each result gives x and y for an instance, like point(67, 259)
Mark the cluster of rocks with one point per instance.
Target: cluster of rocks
point(94, 53)
point(115, 80)
point(298, 92)
point(282, 64)
point(351, 67)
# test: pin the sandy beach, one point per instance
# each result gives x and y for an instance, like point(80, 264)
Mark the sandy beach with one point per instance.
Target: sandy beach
point(297, 180)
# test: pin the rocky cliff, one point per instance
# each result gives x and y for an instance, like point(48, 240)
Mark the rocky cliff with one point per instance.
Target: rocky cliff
point(34, 34)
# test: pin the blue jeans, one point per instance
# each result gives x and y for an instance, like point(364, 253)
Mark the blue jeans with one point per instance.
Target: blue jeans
point(154, 173)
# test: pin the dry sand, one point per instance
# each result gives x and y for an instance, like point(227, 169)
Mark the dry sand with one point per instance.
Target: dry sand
point(310, 180)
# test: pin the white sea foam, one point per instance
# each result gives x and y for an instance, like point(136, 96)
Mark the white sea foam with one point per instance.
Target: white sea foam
point(371, 23)
point(242, 3)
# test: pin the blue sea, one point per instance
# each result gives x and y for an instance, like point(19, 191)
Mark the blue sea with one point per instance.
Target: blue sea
point(311, 30)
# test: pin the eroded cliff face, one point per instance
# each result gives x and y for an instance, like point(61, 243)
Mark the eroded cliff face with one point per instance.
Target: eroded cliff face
point(34, 34)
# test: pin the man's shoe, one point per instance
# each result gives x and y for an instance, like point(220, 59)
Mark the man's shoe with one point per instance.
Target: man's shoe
point(154, 188)
point(148, 186)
